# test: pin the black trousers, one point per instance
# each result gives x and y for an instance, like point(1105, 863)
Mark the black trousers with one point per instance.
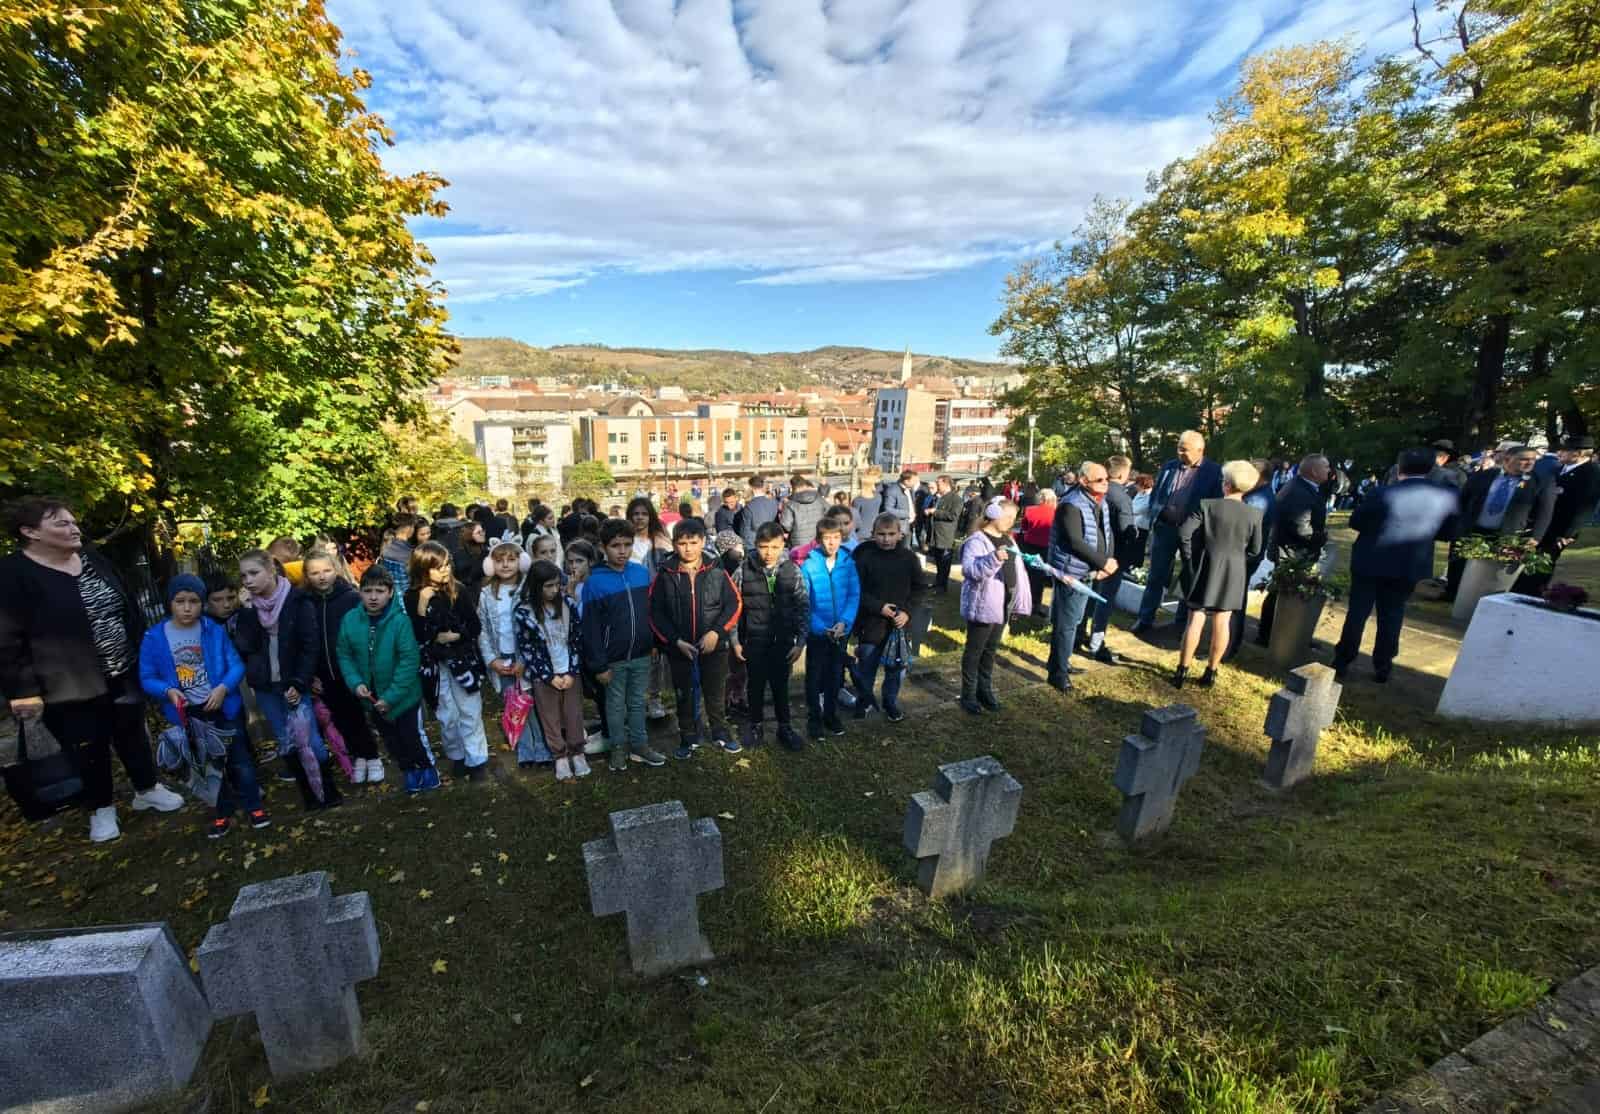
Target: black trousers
point(824, 675)
point(403, 738)
point(1389, 597)
point(713, 691)
point(977, 658)
point(94, 728)
point(768, 668)
point(349, 717)
point(941, 564)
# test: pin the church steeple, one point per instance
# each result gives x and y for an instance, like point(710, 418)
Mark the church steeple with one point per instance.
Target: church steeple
point(905, 366)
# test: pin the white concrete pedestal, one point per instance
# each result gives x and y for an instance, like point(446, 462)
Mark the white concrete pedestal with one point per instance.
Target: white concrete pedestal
point(1524, 663)
point(1479, 579)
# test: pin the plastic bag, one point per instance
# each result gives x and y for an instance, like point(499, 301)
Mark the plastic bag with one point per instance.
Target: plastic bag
point(896, 650)
point(332, 736)
point(517, 706)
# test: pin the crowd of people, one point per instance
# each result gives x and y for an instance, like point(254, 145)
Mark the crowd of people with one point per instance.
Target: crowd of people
point(581, 621)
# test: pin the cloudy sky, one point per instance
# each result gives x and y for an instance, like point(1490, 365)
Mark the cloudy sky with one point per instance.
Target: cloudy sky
point(781, 174)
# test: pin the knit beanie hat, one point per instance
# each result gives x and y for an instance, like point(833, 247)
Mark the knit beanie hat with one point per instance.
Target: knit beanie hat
point(727, 540)
point(186, 582)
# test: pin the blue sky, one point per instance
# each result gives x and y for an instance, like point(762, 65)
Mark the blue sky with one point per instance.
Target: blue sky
point(783, 174)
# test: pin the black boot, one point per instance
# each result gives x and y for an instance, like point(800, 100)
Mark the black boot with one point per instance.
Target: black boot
point(1179, 676)
point(1208, 678)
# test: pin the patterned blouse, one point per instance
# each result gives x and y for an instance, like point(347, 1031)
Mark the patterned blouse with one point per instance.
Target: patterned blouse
point(107, 621)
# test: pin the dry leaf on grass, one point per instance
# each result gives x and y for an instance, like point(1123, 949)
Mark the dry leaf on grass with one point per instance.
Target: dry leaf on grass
point(146, 892)
point(440, 967)
point(259, 1099)
point(424, 894)
point(725, 816)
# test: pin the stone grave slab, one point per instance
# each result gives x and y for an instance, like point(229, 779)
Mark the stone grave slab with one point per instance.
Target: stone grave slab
point(98, 1019)
point(291, 953)
point(951, 828)
point(1296, 717)
point(653, 867)
point(1153, 766)
point(1522, 662)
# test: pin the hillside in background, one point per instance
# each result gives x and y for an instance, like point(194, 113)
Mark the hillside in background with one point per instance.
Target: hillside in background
point(709, 370)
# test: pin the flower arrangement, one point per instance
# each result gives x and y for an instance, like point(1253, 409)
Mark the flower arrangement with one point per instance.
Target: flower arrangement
point(1518, 554)
point(1302, 576)
point(1565, 597)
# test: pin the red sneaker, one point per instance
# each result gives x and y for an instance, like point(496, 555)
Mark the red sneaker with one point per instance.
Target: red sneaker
point(219, 827)
point(260, 819)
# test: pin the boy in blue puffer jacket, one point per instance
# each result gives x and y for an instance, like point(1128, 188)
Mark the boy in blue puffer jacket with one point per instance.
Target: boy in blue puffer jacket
point(834, 589)
point(617, 641)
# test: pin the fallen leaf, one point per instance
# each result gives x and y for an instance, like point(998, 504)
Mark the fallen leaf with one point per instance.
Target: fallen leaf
point(500, 881)
point(725, 816)
point(476, 871)
point(259, 1099)
point(586, 1080)
point(743, 763)
point(550, 857)
point(424, 894)
point(516, 1019)
point(503, 857)
point(1557, 1024)
point(869, 793)
point(440, 967)
point(297, 832)
point(146, 892)
point(422, 1106)
point(451, 919)
point(430, 823)
point(397, 876)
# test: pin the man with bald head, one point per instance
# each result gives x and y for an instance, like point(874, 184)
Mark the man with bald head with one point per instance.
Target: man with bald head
point(1300, 526)
point(1083, 547)
point(1180, 486)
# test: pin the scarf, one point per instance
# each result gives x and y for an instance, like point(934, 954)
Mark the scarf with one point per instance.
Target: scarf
point(268, 609)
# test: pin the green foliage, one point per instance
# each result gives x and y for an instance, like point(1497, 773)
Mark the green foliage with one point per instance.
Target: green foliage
point(210, 304)
point(590, 479)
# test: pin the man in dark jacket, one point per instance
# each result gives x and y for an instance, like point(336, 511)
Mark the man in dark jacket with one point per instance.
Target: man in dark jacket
point(759, 509)
point(1300, 527)
point(890, 575)
point(694, 610)
point(946, 518)
point(1180, 486)
point(774, 618)
point(1504, 502)
point(899, 500)
point(1081, 546)
point(1577, 485)
point(1124, 547)
point(801, 511)
point(1398, 525)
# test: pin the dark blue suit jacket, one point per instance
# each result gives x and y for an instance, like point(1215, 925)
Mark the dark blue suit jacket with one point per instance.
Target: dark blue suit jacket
point(1207, 484)
point(1398, 525)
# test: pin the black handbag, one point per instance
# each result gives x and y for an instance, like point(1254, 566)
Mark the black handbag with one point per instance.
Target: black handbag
point(46, 780)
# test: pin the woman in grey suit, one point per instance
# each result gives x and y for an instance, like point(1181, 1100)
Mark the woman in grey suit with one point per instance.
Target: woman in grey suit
point(1219, 541)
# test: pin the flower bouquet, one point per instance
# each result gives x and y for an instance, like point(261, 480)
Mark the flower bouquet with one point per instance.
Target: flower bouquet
point(1517, 554)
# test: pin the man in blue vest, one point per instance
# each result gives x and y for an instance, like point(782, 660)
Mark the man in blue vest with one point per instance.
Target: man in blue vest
point(1180, 486)
point(1081, 545)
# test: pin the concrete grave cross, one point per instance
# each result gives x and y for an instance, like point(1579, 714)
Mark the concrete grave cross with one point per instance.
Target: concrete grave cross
point(1153, 766)
point(1296, 717)
point(653, 867)
point(291, 953)
point(950, 829)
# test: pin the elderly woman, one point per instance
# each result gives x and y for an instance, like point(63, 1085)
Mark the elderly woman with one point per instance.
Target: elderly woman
point(993, 590)
point(69, 653)
point(1219, 541)
point(1034, 537)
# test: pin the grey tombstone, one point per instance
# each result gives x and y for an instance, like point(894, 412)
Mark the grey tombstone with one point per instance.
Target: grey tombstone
point(950, 829)
point(100, 1019)
point(1296, 717)
point(1153, 766)
point(653, 867)
point(291, 953)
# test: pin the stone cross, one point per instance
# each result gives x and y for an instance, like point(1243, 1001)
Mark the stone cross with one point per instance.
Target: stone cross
point(290, 953)
point(97, 1019)
point(972, 804)
point(653, 866)
point(1296, 716)
point(1153, 766)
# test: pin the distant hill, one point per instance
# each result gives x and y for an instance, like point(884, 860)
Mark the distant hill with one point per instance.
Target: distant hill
point(704, 370)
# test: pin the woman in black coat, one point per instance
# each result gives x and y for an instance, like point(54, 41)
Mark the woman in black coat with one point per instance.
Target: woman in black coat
point(69, 654)
point(1219, 541)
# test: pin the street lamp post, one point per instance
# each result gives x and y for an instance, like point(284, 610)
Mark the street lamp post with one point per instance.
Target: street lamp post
point(1033, 420)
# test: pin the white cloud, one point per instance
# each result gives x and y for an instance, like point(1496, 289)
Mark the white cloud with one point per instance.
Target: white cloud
point(797, 140)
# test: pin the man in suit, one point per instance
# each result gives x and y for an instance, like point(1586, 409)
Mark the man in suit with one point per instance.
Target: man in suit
point(1504, 502)
point(897, 500)
point(1300, 527)
point(1577, 487)
point(1180, 486)
point(1397, 528)
point(1125, 546)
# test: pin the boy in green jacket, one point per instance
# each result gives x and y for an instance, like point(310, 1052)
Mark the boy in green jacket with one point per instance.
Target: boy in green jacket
point(378, 657)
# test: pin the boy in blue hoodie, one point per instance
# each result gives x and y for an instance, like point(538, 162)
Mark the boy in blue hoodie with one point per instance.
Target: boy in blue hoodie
point(835, 593)
point(189, 667)
point(615, 628)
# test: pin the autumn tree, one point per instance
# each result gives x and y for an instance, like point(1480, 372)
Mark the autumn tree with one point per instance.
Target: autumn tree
point(210, 304)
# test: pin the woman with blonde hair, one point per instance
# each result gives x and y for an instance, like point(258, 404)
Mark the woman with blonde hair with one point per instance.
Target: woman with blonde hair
point(1218, 542)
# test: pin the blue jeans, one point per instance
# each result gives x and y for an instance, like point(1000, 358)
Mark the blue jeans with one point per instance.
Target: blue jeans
point(239, 772)
point(276, 709)
point(1163, 551)
point(1102, 611)
point(624, 699)
point(1066, 613)
point(865, 674)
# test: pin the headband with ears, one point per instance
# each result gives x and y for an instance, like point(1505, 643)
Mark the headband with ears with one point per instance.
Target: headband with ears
point(524, 562)
point(993, 511)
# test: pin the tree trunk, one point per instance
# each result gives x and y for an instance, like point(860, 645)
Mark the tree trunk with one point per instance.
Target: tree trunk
point(1478, 428)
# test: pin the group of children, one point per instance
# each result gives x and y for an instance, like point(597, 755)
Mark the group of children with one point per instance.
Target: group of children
point(323, 659)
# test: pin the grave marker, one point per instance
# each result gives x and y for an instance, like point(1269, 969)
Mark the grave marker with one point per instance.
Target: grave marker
point(653, 867)
point(291, 953)
point(1153, 766)
point(1296, 717)
point(99, 1019)
point(951, 828)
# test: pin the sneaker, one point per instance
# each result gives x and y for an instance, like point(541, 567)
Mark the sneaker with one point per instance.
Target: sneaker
point(619, 759)
point(1381, 677)
point(374, 771)
point(971, 707)
point(754, 735)
point(219, 828)
point(595, 743)
point(814, 728)
point(683, 753)
point(863, 706)
point(286, 774)
point(427, 778)
point(834, 724)
point(158, 797)
point(413, 781)
point(580, 765)
point(259, 819)
point(563, 769)
point(647, 754)
point(1105, 657)
point(358, 772)
point(790, 738)
point(654, 709)
point(892, 713)
point(103, 825)
point(726, 742)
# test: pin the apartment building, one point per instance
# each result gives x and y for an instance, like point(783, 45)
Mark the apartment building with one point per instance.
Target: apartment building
point(968, 433)
point(521, 454)
point(902, 428)
point(635, 439)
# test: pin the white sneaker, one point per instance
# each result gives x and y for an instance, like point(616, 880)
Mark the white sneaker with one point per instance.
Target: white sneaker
point(564, 769)
point(580, 765)
point(158, 797)
point(654, 709)
point(103, 825)
point(358, 772)
point(374, 770)
point(595, 743)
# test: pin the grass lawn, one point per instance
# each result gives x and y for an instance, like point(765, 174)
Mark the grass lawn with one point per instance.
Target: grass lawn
point(1271, 953)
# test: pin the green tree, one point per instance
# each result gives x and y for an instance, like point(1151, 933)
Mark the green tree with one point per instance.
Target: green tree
point(590, 479)
point(432, 463)
point(210, 304)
